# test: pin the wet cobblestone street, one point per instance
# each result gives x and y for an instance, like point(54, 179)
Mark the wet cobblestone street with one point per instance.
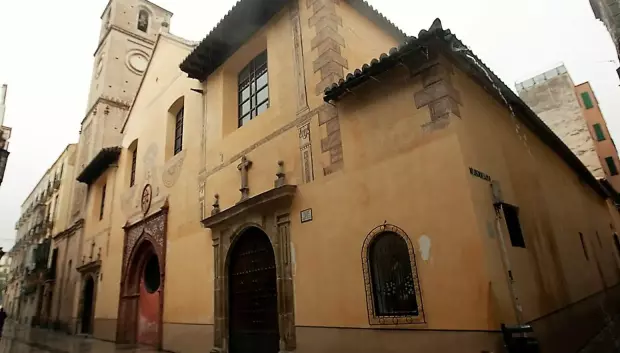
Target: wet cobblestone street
point(23, 339)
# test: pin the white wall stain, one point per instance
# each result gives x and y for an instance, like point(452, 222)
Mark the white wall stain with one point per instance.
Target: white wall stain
point(424, 246)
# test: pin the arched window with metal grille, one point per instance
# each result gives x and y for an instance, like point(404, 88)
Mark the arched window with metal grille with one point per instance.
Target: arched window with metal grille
point(390, 274)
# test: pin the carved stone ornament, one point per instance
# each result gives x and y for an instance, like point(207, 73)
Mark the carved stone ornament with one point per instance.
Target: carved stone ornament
point(147, 198)
point(172, 170)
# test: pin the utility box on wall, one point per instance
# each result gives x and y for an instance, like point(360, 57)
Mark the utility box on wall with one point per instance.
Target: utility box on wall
point(520, 339)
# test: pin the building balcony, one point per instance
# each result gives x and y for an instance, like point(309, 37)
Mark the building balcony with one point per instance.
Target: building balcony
point(48, 224)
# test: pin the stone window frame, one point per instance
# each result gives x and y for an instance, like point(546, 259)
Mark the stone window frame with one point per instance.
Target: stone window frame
point(373, 318)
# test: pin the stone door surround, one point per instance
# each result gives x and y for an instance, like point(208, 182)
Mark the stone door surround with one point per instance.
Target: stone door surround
point(269, 212)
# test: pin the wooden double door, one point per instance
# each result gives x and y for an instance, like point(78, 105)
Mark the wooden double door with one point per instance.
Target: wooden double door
point(253, 295)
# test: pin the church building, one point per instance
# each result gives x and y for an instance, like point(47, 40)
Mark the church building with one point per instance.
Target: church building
point(308, 178)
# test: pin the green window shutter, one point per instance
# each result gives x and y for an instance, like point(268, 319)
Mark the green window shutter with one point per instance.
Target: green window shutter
point(598, 130)
point(587, 101)
point(611, 165)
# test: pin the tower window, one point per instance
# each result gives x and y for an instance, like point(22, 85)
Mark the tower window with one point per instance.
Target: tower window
point(178, 132)
point(134, 157)
point(101, 207)
point(253, 89)
point(143, 21)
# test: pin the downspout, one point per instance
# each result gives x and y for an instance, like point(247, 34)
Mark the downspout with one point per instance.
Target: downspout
point(518, 310)
point(111, 213)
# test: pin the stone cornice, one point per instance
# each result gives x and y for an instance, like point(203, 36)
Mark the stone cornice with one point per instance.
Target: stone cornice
point(90, 267)
point(280, 195)
point(124, 31)
point(108, 100)
point(71, 230)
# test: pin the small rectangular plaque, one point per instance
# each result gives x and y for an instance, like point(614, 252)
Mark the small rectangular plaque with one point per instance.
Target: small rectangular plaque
point(306, 215)
point(479, 174)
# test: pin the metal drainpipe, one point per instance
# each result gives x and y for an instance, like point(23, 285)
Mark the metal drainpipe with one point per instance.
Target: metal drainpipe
point(507, 265)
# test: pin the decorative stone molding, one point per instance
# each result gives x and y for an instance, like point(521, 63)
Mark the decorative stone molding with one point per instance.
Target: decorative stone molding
point(332, 142)
point(151, 231)
point(172, 169)
point(298, 58)
point(305, 146)
point(280, 176)
point(300, 120)
point(216, 205)
point(201, 198)
point(328, 42)
point(137, 61)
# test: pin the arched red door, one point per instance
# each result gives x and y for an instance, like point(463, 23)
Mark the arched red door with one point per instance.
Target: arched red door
point(141, 299)
point(149, 307)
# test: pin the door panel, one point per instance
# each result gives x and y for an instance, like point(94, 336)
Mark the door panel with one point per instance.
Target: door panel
point(253, 295)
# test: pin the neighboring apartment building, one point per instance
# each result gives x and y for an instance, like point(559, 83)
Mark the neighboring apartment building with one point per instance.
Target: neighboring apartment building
point(269, 199)
point(5, 133)
point(608, 12)
point(573, 113)
point(597, 126)
point(5, 267)
point(43, 214)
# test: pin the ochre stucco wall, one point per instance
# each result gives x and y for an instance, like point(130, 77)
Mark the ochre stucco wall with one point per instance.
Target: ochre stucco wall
point(393, 171)
point(187, 258)
point(552, 273)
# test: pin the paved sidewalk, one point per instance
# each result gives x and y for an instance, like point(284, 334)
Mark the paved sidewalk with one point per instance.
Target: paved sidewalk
point(23, 339)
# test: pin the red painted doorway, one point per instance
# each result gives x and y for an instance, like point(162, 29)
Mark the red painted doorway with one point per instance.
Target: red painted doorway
point(141, 298)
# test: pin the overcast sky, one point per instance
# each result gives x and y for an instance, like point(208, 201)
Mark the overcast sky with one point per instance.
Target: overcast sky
point(46, 58)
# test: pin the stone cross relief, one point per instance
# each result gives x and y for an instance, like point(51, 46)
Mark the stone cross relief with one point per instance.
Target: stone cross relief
point(243, 168)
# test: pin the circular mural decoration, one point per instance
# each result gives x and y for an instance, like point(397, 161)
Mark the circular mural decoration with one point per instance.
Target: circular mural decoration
point(147, 197)
point(137, 61)
point(151, 276)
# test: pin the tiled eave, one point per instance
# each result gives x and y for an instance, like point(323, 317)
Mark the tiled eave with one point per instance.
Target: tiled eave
point(245, 19)
point(99, 164)
point(436, 39)
point(236, 28)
